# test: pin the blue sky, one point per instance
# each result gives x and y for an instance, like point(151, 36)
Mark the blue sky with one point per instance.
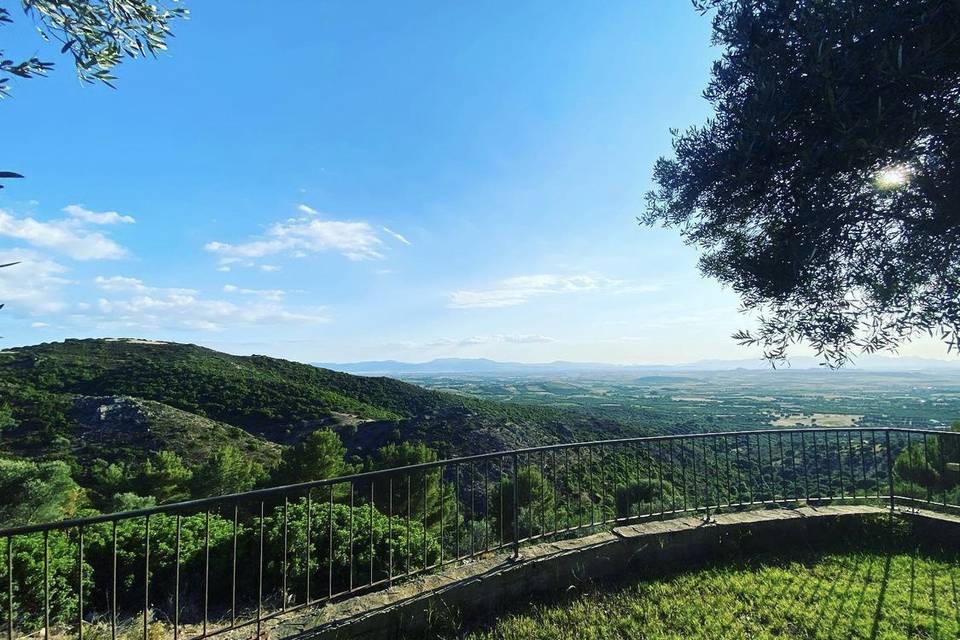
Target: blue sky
point(363, 180)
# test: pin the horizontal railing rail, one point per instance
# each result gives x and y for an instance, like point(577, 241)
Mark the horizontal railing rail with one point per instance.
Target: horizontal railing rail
point(199, 568)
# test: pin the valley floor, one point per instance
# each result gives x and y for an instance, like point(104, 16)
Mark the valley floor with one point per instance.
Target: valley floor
point(848, 595)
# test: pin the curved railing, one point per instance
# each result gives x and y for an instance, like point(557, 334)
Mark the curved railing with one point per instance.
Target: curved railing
point(199, 568)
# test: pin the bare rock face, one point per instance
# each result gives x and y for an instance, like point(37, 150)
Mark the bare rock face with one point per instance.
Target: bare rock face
point(111, 425)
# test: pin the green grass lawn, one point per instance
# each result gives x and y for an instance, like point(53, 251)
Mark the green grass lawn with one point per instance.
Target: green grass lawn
point(847, 595)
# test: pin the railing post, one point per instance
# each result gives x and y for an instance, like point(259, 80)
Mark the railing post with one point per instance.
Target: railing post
point(516, 507)
point(890, 472)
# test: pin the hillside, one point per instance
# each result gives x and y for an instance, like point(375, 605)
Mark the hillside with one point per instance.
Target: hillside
point(189, 399)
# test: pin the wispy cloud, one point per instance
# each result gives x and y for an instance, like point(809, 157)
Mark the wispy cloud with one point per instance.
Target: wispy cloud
point(34, 286)
point(301, 236)
point(68, 236)
point(132, 304)
point(266, 294)
point(521, 289)
point(500, 338)
point(307, 209)
point(396, 235)
point(79, 212)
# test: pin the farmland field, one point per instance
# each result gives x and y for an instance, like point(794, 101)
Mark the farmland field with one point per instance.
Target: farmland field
point(675, 402)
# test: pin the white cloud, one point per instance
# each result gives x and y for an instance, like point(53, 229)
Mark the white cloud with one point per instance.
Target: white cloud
point(520, 289)
point(266, 294)
point(79, 212)
point(139, 306)
point(500, 338)
point(39, 325)
point(299, 237)
point(33, 286)
point(396, 235)
point(67, 236)
point(269, 268)
point(308, 210)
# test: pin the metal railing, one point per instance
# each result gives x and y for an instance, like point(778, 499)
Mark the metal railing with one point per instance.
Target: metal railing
point(199, 568)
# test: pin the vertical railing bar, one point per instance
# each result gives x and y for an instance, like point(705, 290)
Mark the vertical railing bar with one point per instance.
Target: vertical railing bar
point(663, 508)
point(942, 441)
point(283, 585)
point(851, 464)
point(803, 457)
point(308, 544)
point(46, 584)
point(80, 583)
point(486, 505)
point(729, 474)
point(636, 470)
point(260, 575)
point(425, 487)
point(456, 514)
point(501, 474)
point(176, 581)
point(781, 485)
point(840, 468)
point(330, 542)
point(113, 586)
point(473, 507)
point(716, 472)
point(390, 531)
point(579, 489)
point(816, 466)
point(409, 503)
point(568, 488)
point(206, 571)
point(736, 440)
point(350, 584)
point(146, 577)
point(876, 462)
point(694, 477)
point(442, 510)
point(590, 466)
point(372, 482)
point(863, 464)
point(9, 587)
point(602, 493)
point(771, 476)
point(890, 468)
point(233, 573)
point(926, 462)
point(543, 506)
point(555, 483)
point(683, 474)
point(516, 507)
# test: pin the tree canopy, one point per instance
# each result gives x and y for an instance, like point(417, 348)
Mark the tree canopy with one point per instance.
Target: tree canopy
point(97, 34)
point(825, 190)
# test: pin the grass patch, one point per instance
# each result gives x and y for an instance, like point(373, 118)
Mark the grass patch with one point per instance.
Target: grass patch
point(869, 594)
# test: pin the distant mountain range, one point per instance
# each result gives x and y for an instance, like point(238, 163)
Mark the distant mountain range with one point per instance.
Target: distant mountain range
point(491, 367)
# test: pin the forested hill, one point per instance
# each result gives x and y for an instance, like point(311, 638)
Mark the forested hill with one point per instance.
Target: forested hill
point(123, 400)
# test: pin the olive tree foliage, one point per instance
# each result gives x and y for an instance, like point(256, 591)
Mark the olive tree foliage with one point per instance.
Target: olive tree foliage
point(825, 190)
point(96, 34)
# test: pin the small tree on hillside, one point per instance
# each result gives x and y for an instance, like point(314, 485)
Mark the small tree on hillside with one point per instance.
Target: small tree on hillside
point(318, 456)
point(226, 471)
